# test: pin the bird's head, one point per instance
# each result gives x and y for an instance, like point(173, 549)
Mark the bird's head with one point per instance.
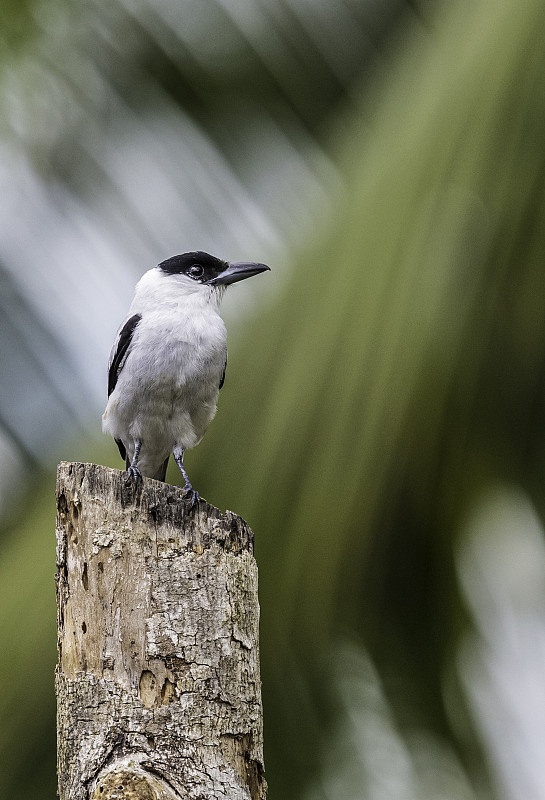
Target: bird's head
point(208, 270)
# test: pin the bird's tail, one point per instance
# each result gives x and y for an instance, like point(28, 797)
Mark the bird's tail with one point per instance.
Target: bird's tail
point(161, 473)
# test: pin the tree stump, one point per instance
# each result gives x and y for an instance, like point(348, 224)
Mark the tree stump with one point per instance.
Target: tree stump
point(158, 687)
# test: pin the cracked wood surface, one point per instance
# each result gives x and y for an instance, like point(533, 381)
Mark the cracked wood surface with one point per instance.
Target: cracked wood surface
point(158, 687)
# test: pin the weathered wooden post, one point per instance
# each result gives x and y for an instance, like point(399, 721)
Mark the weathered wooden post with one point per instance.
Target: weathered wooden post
point(158, 688)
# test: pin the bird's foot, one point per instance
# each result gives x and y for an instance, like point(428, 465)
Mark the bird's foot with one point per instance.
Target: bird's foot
point(134, 475)
point(191, 495)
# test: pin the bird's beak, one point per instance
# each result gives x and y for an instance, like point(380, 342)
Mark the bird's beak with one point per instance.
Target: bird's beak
point(237, 271)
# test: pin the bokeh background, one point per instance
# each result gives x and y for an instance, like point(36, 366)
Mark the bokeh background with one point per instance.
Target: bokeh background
point(381, 425)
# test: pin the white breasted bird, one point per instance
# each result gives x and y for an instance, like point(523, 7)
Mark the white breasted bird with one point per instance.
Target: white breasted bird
point(168, 362)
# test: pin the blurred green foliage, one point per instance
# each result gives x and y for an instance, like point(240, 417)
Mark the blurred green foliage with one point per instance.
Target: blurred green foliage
point(18, 25)
point(397, 371)
point(28, 649)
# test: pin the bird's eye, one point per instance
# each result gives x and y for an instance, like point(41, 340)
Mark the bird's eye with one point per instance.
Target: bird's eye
point(195, 271)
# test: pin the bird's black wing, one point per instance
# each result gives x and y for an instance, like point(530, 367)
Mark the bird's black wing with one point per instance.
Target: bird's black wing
point(222, 379)
point(120, 350)
point(117, 359)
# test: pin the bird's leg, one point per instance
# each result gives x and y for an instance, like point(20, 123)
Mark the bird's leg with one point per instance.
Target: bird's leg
point(192, 495)
point(133, 471)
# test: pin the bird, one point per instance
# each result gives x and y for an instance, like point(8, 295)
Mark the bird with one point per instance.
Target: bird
point(168, 361)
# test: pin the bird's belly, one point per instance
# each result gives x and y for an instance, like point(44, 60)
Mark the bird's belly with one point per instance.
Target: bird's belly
point(172, 398)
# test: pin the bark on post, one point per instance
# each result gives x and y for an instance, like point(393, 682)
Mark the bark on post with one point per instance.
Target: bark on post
point(158, 688)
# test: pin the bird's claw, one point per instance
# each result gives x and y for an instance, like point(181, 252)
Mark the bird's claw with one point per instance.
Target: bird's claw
point(191, 495)
point(134, 475)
